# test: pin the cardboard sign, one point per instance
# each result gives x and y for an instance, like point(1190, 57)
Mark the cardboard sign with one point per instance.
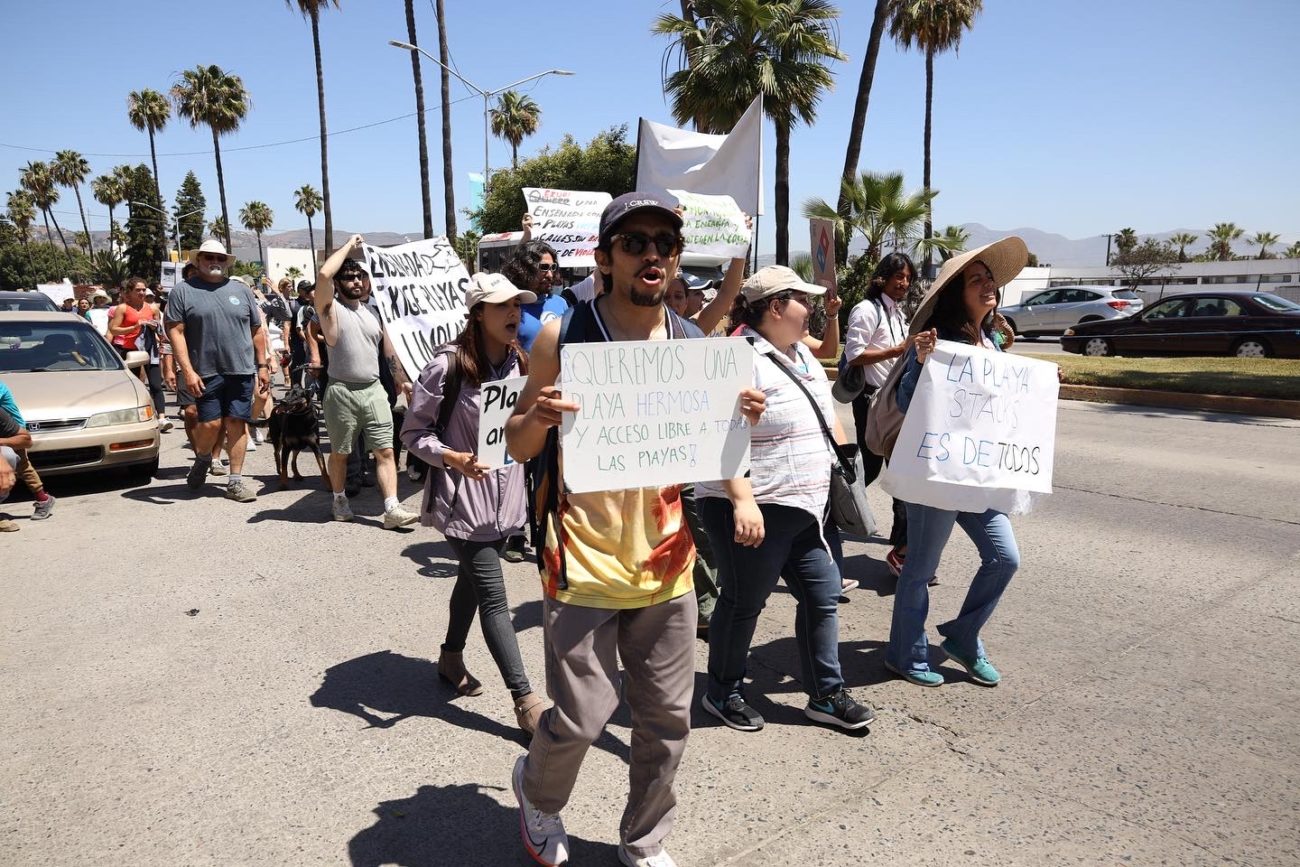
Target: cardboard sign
point(713, 225)
point(497, 401)
point(980, 431)
point(569, 221)
point(420, 290)
point(654, 412)
point(823, 252)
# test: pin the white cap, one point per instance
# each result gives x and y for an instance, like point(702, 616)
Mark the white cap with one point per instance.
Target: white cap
point(768, 281)
point(494, 289)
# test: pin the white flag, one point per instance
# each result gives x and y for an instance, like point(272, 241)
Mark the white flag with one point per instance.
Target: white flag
point(718, 165)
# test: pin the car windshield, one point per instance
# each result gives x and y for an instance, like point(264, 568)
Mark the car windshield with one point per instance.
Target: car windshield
point(33, 302)
point(1277, 302)
point(39, 346)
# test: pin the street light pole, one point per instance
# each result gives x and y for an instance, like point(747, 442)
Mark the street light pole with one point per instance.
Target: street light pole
point(486, 94)
point(176, 223)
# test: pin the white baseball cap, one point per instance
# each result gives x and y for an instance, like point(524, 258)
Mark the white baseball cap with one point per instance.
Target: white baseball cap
point(768, 281)
point(494, 289)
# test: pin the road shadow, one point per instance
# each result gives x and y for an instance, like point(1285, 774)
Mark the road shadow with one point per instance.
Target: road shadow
point(527, 616)
point(455, 825)
point(435, 559)
point(165, 495)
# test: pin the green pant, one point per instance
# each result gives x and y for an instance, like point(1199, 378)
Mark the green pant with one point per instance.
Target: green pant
point(352, 410)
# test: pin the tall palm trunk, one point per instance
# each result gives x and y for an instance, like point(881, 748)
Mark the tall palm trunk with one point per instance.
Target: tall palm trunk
point(419, 120)
point(110, 228)
point(85, 227)
point(49, 236)
point(221, 187)
point(929, 104)
point(157, 188)
point(260, 257)
point(311, 239)
point(448, 176)
point(324, 147)
point(62, 239)
point(853, 153)
point(783, 192)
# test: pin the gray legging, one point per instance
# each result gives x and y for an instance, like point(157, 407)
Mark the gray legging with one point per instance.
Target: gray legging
point(481, 587)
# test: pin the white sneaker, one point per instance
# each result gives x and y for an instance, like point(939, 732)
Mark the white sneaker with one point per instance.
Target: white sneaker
point(543, 833)
point(165, 424)
point(218, 468)
point(663, 859)
point(399, 517)
point(342, 511)
point(252, 445)
point(258, 436)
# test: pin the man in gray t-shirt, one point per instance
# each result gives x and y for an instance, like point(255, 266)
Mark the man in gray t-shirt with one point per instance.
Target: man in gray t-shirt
point(219, 346)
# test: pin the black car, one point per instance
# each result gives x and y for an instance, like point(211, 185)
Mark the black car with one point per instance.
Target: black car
point(1244, 324)
point(28, 301)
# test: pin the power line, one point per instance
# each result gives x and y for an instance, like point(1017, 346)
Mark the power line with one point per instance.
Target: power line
point(244, 147)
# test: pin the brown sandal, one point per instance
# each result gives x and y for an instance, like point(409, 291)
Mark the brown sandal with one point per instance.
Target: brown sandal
point(528, 712)
point(451, 668)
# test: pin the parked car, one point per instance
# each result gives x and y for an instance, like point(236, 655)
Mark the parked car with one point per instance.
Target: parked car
point(85, 408)
point(1245, 324)
point(10, 300)
point(1054, 310)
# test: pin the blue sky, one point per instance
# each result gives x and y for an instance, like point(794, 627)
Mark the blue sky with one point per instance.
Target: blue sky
point(1078, 118)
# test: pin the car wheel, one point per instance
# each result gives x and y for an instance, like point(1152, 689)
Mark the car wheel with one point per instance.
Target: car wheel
point(1251, 347)
point(143, 473)
point(1097, 347)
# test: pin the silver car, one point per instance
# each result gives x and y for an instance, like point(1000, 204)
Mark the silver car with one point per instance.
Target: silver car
point(1051, 311)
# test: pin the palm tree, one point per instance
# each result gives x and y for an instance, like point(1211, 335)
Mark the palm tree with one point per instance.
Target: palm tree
point(419, 120)
point(311, 10)
point(307, 201)
point(733, 50)
point(882, 213)
point(256, 217)
point(931, 26)
point(1264, 240)
point(69, 169)
point(448, 175)
point(293, 274)
point(1221, 238)
point(110, 192)
point(220, 229)
point(37, 180)
point(211, 96)
point(854, 150)
point(515, 117)
point(956, 238)
point(1293, 252)
point(1125, 240)
point(1182, 240)
point(22, 211)
point(149, 111)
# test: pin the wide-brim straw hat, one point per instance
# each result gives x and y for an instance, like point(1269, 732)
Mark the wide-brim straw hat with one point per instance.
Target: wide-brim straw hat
point(1005, 258)
point(212, 245)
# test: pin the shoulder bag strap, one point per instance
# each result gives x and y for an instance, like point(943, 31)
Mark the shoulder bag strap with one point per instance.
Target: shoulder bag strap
point(846, 466)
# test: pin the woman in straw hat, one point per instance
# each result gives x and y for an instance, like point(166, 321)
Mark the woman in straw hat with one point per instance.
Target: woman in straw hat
point(960, 306)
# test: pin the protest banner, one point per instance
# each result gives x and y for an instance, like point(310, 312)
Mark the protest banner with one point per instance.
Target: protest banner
point(823, 252)
point(730, 164)
point(496, 404)
point(420, 290)
point(713, 225)
point(569, 221)
point(979, 433)
point(654, 413)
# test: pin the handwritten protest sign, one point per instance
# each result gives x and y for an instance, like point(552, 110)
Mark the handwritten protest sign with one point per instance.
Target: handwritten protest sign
point(654, 412)
point(420, 289)
point(713, 225)
point(496, 404)
point(980, 431)
point(823, 252)
point(569, 221)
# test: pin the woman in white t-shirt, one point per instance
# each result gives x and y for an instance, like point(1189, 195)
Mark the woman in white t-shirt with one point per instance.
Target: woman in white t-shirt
point(875, 339)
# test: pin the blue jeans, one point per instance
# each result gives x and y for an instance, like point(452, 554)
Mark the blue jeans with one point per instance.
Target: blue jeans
point(928, 530)
point(792, 543)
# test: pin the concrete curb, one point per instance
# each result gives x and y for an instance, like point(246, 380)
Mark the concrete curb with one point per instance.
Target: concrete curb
point(1261, 406)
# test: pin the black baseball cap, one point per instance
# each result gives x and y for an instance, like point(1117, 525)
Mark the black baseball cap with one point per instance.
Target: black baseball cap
point(630, 203)
point(306, 286)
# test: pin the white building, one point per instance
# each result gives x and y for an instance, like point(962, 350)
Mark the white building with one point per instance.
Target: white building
point(280, 259)
point(1281, 276)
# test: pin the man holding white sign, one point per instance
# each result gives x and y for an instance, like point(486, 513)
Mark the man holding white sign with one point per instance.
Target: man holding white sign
point(616, 564)
point(977, 437)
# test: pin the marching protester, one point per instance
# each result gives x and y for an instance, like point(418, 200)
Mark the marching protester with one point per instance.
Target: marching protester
point(136, 326)
point(960, 306)
point(770, 523)
point(355, 402)
point(875, 339)
point(14, 462)
point(473, 505)
point(298, 311)
point(606, 596)
point(220, 346)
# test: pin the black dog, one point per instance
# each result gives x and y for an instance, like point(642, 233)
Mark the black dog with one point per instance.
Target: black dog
point(294, 426)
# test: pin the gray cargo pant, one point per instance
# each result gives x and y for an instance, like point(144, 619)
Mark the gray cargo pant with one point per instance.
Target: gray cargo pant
point(583, 647)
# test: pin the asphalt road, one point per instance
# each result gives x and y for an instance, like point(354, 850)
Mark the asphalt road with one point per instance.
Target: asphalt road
point(1038, 346)
point(194, 681)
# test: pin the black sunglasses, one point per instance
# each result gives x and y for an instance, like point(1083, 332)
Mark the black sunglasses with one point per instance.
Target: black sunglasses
point(634, 243)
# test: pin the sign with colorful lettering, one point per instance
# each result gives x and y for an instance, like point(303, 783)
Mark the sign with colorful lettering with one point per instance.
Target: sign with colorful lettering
point(569, 221)
point(823, 252)
point(980, 431)
point(496, 403)
point(713, 225)
point(655, 412)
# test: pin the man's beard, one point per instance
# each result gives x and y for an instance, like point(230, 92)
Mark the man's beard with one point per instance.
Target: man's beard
point(652, 299)
point(352, 294)
point(214, 274)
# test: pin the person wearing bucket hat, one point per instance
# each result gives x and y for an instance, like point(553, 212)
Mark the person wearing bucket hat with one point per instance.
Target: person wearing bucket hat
point(472, 504)
point(960, 306)
point(769, 523)
point(219, 345)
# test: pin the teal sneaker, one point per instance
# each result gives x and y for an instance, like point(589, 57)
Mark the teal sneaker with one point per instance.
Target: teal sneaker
point(919, 677)
point(981, 670)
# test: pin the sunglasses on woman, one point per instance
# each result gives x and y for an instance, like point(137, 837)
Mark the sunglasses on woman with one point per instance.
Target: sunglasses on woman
point(634, 243)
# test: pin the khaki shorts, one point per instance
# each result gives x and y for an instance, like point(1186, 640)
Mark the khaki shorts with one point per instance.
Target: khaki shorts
point(351, 410)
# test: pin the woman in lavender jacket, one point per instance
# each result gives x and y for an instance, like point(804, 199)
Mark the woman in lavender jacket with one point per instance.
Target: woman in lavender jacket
point(474, 506)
